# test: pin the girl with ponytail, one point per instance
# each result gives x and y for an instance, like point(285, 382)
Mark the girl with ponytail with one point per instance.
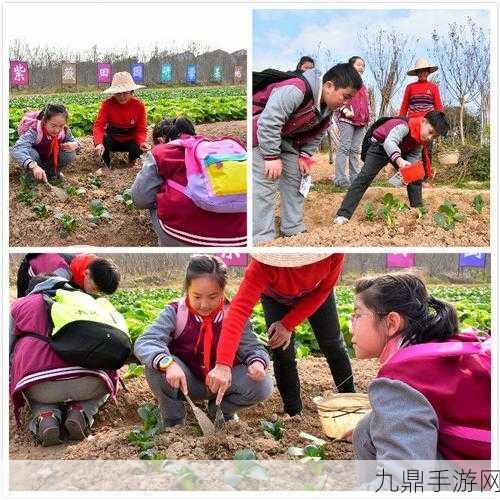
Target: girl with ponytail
point(431, 397)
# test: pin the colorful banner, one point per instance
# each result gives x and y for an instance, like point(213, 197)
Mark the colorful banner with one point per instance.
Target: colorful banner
point(234, 259)
point(137, 72)
point(104, 73)
point(217, 73)
point(401, 260)
point(19, 73)
point(472, 260)
point(238, 74)
point(166, 74)
point(68, 73)
point(191, 73)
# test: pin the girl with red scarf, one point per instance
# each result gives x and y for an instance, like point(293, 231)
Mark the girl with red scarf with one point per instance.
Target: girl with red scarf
point(179, 349)
point(48, 146)
point(398, 141)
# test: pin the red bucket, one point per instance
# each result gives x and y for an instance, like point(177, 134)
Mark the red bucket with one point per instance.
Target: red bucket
point(412, 172)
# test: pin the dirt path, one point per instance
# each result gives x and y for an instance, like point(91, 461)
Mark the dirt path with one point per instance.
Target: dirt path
point(109, 437)
point(323, 202)
point(128, 227)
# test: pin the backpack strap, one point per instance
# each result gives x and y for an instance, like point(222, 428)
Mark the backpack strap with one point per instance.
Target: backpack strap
point(176, 186)
point(35, 336)
point(181, 317)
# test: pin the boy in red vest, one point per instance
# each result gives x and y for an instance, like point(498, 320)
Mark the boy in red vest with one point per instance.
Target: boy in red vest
point(400, 142)
point(290, 118)
point(94, 275)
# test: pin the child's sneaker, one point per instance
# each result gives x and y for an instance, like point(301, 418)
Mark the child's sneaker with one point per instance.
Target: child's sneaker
point(340, 220)
point(48, 432)
point(76, 423)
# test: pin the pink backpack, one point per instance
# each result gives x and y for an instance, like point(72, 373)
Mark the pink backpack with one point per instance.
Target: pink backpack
point(455, 377)
point(216, 171)
point(30, 121)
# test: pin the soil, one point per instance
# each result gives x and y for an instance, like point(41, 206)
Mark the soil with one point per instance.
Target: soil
point(128, 227)
point(108, 440)
point(322, 204)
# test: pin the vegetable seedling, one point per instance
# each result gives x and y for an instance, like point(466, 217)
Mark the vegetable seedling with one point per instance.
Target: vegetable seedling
point(187, 479)
point(98, 211)
point(370, 211)
point(133, 370)
point(447, 216)
point(478, 203)
point(125, 198)
point(246, 469)
point(41, 211)
point(273, 430)
point(67, 222)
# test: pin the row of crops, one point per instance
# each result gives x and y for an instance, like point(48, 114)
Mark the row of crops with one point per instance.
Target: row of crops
point(201, 105)
point(141, 307)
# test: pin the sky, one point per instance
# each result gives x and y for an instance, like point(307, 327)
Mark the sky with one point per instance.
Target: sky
point(111, 27)
point(280, 37)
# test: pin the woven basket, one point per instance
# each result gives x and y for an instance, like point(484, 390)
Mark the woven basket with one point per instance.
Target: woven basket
point(450, 158)
point(341, 413)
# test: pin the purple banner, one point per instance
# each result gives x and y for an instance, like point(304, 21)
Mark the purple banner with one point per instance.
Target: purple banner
point(137, 70)
point(19, 73)
point(472, 260)
point(234, 259)
point(104, 73)
point(402, 260)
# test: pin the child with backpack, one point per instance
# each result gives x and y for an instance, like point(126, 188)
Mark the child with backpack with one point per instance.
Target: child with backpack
point(291, 114)
point(401, 142)
point(352, 119)
point(432, 395)
point(194, 187)
point(46, 145)
point(88, 272)
point(121, 123)
point(65, 348)
point(292, 288)
point(178, 350)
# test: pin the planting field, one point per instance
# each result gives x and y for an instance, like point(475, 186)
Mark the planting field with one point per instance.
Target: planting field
point(452, 216)
point(121, 433)
point(39, 218)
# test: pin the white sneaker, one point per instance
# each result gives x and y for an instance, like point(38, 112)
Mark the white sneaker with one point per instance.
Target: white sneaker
point(341, 220)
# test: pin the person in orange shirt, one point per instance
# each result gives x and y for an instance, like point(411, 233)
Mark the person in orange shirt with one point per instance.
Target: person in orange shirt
point(121, 123)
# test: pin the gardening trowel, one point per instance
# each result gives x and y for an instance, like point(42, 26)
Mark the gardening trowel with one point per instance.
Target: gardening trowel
point(60, 193)
point(206, 425)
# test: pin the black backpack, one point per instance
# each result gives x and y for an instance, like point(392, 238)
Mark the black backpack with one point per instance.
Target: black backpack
point(367, 139)
point(261, 79)
point(85, 342)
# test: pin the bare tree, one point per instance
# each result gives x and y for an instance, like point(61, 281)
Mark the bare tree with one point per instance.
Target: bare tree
point(460, 59)
point(389, 54)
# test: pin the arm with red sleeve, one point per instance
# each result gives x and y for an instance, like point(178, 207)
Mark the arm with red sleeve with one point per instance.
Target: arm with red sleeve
point(406, 100)
point(438, 105)
point(310, 303)
point(100, 123)
point(141, 130)
point(253, 284)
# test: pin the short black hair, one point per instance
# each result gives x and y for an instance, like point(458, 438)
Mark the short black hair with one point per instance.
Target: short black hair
point(202, 265)
point(305, 59)
point(105, 275)
point(438, 121)
point(353, 59)
point(171, 128)
point(343, 76)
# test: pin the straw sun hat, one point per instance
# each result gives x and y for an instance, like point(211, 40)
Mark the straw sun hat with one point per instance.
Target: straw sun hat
point(289, 259)
point(421, 64)
point(122, 82)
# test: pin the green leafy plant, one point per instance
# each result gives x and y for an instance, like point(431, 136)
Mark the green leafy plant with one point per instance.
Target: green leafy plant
point(133, 370)
point(478, 203)
point(447, 216)
point(273, 430)
point(422, 212)
point(98, 211)
point(390, 207)
point(125, 198)
point(95, 181)
point(72, 191)
point(246, 469)
point(312, 454)
point(319, 485)
point(187, 479)
point(67, 222)
point(144, 438)
point(41, 211)
point(370, 211)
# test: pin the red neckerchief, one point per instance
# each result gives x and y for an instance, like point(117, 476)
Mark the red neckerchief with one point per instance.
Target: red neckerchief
point(414, 125)
point(206, 333)
point(54, 148)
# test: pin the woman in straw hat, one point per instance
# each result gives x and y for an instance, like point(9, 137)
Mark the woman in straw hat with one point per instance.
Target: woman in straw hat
point(421, 96)
point(292, 288)
point(121, 123)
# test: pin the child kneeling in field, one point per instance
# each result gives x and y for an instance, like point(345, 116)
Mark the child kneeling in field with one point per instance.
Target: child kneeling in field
point(161, 186)
point(45, 145)
point(179, 349)
point(400, 142)
point(431, 398)
point(290, 118)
